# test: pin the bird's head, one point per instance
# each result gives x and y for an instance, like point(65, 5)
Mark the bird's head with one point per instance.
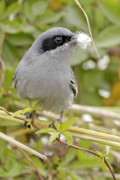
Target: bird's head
point(53, 39)
point(58, 40)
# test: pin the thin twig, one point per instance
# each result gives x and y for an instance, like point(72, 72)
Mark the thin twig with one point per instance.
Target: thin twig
point(110, 169)
point(91, 152)
point(98, 137)
point(22, 146)
point(16, 143)
point(79, 148)
point(3, 69)
point(29, 159)
point(5, 110)
point(88, 23)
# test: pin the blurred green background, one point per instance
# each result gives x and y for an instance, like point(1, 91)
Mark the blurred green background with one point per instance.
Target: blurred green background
point(21, 21)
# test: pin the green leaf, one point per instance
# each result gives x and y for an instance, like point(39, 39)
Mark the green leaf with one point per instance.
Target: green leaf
point(70, 156)
point(74, 18)
point(111, 9)
point(108, 37)
point(57, 125)
point(67, 124)
point(48, 17)
point(69, 137)
point(23, 111)
point(67, 174)
point(20, 39)
point(53, 137)
point(11, 168)
point(107, 149)
point(101, 154)
point(2, 8)
point(45, 130)
point(40, 166)
point(12, 9)
point(8, 79)
point(10, 165)
point(34, 8)
point(10, 55)
point(38, 7)
point(18, 113)
point(10, 26)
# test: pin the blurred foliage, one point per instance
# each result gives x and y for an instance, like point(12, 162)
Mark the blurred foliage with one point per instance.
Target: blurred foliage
point(21, 21)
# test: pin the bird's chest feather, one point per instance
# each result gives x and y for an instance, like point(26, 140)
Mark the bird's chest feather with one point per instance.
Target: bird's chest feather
point(50, 79)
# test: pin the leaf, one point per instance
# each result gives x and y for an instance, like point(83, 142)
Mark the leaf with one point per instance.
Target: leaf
point(17, 113)
point(107, 149)
point(40, 166)
point(57, 125)
point(45, 130)
point(67, 124)
point(109, 37)
point(38, 7)
point(53, 137)
point(49, 17)
point(8, 123)
point(100, 154)
point(11, 168)
point(10, 55)
point(74, 18)
point(2, 8)
point(34, 8)
point(26, 110)
point(111, 9)
point(20, 39)
point(8, 79)
point(12, 9)
point(10, 165)
point(10, 26)
point(69, 137)
point(70, 156)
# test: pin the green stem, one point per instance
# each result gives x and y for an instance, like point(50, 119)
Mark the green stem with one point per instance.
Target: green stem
point(95, 136)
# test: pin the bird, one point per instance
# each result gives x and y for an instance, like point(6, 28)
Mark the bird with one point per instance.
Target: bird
point(45, 74)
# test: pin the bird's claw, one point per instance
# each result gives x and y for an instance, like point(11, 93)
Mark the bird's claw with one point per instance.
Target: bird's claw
point(27, 124)
point(52, 125)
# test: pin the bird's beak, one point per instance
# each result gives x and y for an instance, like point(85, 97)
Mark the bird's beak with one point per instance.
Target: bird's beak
point(80, 39)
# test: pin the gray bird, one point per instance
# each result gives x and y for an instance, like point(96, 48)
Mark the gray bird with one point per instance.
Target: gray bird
point(45, 74)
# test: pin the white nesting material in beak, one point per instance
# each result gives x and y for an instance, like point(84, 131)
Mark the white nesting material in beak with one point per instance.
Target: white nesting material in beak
point(83, 40)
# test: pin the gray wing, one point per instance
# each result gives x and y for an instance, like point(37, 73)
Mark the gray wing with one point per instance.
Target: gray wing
point(73, 84)
point(14, 82)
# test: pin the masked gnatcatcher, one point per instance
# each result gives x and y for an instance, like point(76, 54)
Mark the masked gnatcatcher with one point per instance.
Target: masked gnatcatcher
point(45, 74)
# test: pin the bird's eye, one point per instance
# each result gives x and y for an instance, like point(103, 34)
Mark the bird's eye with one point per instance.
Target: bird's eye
point(58, 39)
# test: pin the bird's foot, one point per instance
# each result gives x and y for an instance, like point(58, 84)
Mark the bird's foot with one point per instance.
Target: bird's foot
point(27, 124)
point(29, 120)
point(52, 125)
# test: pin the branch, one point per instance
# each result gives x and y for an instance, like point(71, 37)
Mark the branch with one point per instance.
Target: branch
point(30, 160)
point(88, 23)
point(99, 112)
point(95, 136)
point(22, 146)
point(91, 152)
point(107, 164)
